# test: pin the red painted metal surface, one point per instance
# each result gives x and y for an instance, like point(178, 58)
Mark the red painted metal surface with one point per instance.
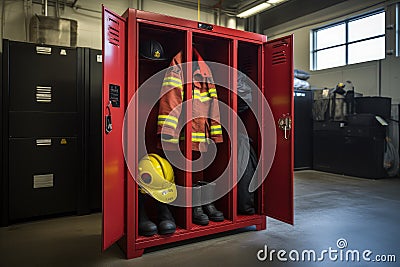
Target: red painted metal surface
point(193, 25)
point(113, 158)
point(278, 186)
point(132, 62)
point(188, 129)
point(234, 122)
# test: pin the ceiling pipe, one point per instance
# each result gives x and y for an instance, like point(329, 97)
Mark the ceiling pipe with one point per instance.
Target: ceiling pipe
point(57, 9)
point(74, 3)
point(3, 20)
point(45, 7)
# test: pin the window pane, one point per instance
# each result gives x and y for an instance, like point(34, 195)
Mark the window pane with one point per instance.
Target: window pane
point(367, 50)
point(331, 36)
point(367, 27)
point(331, 57)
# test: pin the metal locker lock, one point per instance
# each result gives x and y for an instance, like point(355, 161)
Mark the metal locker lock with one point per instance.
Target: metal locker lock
point(285, 124)
point(108, 119)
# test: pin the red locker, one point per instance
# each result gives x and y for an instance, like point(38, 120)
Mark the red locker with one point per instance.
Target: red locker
point(130, 122)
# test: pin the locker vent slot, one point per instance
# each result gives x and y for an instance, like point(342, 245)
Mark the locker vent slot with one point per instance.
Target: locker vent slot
point(43, 142)
point(43, 50)
point(113, 33)
point(280, 45)
point(43, 180)
point(43, 94)
point(279, 57)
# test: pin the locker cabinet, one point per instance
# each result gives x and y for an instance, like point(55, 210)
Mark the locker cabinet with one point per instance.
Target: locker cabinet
point(41, 131)
point(303, 129)
point(268, 64)
point(90, 82)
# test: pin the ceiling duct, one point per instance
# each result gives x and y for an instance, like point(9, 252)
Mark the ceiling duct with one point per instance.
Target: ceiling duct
point(53, 31)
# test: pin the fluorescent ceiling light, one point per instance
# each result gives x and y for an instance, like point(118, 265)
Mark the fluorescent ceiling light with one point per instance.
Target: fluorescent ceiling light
point(275, 1)
point(254, 10)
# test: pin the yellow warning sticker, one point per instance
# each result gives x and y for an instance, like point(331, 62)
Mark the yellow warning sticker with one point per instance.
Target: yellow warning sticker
point(63, 141)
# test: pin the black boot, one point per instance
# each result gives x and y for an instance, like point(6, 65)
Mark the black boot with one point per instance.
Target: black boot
point(146, 227)
point(198, 216)
point(207, 194)
point(166, 223)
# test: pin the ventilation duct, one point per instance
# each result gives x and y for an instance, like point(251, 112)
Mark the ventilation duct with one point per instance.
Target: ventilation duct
point(53, 31)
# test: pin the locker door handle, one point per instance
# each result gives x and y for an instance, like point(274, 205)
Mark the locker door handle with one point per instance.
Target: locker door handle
point(285, 124)
point(108, 119)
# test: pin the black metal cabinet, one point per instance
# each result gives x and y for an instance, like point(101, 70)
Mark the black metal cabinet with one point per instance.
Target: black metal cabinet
point(91, 83)
point(303, 129)
point(328, 150)
point(355, 150)
point(3, 181)
point(42, 131)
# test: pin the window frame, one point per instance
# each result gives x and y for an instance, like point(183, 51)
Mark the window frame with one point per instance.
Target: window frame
point(314, 50)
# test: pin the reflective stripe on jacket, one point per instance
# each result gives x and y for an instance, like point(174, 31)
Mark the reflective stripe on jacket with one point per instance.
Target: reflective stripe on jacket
point(205, 113)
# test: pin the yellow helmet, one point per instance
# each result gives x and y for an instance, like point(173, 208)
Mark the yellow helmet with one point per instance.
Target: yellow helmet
point(156, 177)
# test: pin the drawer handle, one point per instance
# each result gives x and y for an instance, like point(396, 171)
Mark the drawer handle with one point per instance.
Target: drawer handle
point(43, 50)
point(43, 180)
point(43, 94)
point(43, 142)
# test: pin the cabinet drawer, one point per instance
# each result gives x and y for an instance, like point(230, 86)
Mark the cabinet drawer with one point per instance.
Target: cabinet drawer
point(43, 175)
point(40, 80)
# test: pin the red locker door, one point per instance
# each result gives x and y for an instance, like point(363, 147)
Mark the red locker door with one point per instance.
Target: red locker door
point(278, 80)
point(113, 115)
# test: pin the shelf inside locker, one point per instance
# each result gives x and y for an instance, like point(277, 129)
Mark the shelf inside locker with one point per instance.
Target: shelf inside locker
point(241, 217)
point(210, 225)
point(196, 232)
point(157, 237)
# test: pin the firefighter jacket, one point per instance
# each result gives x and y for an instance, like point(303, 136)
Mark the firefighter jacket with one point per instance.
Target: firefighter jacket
point(205, 112)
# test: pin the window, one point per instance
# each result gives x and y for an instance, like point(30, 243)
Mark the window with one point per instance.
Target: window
point(350, 41)
point(397, 29)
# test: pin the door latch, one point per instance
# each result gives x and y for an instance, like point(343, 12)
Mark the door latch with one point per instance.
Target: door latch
point(285, 124)
point(108, 119)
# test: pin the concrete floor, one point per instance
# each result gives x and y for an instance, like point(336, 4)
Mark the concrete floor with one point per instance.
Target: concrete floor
point(364, 212)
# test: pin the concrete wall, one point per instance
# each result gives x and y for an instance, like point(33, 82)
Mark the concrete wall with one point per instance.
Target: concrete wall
point(17, 14)
point(370, 78)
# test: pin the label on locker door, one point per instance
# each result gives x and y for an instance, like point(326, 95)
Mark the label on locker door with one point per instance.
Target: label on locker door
point(114, 95)
point(43, 180)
